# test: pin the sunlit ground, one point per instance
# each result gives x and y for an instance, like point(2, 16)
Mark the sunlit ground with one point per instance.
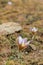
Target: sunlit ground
point(28, 13)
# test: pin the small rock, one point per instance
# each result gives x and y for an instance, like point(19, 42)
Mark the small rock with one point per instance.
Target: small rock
point(26, 53)
point(9, 28)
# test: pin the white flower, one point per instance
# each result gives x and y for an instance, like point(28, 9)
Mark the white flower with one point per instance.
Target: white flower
point(22, 40)
point(34, 29)
point(10, 3)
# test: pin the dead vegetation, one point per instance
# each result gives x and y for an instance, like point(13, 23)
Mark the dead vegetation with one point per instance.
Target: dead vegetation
point(29, 13)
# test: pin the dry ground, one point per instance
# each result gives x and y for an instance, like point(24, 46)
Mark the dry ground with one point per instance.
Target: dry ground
point(28, 13)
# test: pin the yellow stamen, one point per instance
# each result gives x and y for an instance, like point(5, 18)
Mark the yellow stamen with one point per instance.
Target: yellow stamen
point(23, 44)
